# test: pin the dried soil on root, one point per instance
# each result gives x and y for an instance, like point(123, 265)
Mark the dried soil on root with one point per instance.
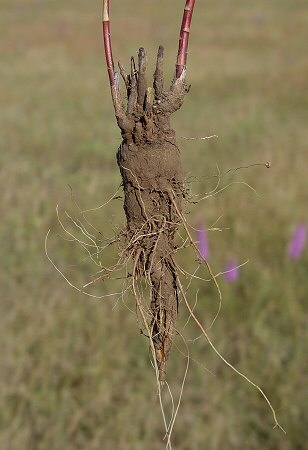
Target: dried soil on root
point(153, 183)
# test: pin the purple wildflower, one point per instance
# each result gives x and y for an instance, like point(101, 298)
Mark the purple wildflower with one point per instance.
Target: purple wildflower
point(298, 242)
point(203, 243)
point(232, 271)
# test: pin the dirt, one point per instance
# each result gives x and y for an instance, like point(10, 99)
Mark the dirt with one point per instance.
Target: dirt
point(150, 164)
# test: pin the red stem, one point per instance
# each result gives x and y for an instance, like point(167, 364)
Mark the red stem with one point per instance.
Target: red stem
point(184, 38)
point(107, 41)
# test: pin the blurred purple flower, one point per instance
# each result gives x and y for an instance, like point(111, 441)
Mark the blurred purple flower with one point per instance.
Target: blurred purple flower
point(260, 19)
point(232, 272)
point(203, 243)
point(298, 242)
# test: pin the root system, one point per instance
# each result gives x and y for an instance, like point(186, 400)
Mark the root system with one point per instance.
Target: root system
point(150, 165)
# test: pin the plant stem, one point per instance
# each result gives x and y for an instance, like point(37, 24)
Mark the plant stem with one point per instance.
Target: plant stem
point(184, 38)
point(107, 41)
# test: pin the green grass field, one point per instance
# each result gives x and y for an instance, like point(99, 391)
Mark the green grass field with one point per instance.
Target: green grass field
point(75, 371)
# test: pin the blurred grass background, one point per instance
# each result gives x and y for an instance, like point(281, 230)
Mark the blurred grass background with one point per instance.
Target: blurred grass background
point(75, 372)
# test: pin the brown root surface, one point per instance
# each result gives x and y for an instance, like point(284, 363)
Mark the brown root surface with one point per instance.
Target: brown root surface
point(153, 183)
